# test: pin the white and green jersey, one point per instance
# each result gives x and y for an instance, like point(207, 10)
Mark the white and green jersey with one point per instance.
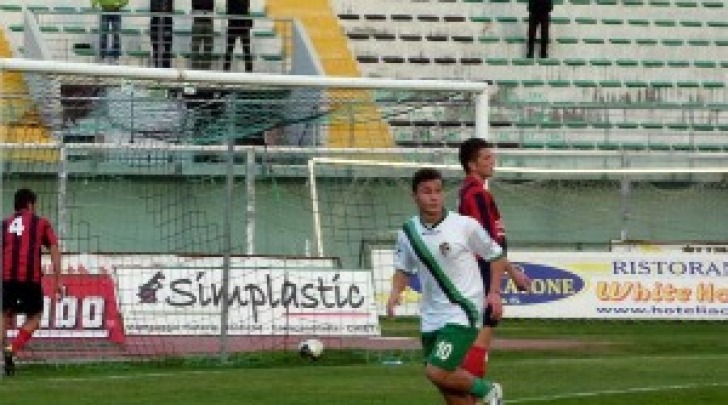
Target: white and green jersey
point(444, 258)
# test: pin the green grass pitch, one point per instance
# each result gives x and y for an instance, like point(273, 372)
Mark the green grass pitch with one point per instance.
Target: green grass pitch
point(634, 362)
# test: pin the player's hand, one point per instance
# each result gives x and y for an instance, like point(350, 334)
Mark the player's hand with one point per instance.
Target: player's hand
point(59, 291)
point(493, 300)
point(520, 278)
point(392, 302)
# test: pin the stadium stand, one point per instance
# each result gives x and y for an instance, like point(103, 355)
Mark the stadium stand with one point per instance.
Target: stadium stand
point(622, 74)
point(21, 122)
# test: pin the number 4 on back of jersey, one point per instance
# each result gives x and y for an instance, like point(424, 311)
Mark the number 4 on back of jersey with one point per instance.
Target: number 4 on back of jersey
point(16, 226)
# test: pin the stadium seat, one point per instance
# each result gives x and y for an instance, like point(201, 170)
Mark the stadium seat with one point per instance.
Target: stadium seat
point(522, 62)
point(691, 23)
point(635, 83)
point(138, 54)
point(559, 83)
point(699, 42)
point(646, 41)
point(73, 29)
point(678, 63)
point(85, 52)
point(496, 61)
point(612, 21)
point(11, 8)
point(507, 20)
point(585, 83)
point(627, 125)
point(574, 62)
point(687, 84)
point(620, 41)
point(705, 64)
point(627, 62)
point(463, 38)
point(638, 22)
point(49, 29)
point(600, 62)
point(567, 40)
point(610, 83)
point(547, 62)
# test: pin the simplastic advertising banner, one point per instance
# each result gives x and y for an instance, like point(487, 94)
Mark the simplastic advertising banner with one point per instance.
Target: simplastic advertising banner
point(262, 301)
point(606, 286)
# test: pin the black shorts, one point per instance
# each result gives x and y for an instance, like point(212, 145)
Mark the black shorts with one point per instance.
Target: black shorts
point(487, 311)
point(22, 297)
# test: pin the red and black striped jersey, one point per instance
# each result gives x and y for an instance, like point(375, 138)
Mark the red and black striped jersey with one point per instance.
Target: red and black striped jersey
point(23, 235)
point(477, 202)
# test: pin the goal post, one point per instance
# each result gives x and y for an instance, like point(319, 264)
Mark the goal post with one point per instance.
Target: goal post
point(155, 171)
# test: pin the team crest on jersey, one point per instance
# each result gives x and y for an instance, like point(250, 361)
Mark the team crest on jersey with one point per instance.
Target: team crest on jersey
point(444, 248)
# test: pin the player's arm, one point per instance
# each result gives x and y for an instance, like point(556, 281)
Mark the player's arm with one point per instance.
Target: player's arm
point(50, 241)
point(519, 276)
point(399, 283)
point(493, 297)
point(403, 265)
point(56, 264)
point(484, 246)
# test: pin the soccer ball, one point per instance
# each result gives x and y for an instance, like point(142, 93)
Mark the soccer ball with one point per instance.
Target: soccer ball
point(311, 349)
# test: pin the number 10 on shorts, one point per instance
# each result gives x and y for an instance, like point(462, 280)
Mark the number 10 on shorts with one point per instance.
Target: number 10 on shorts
point(443, 350)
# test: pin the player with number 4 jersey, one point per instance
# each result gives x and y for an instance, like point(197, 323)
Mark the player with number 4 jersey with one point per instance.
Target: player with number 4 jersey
point(24, 234)
point(441, 248)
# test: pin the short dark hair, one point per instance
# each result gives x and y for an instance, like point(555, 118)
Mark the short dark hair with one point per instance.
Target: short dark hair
point(23, 198)
point(469, 150)
point(423, 175)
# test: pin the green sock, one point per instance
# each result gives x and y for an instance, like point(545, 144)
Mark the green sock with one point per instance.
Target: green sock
point(480, 387)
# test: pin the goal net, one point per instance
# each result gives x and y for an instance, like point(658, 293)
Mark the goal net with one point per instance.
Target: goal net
point(551, 202)
point(171, 191)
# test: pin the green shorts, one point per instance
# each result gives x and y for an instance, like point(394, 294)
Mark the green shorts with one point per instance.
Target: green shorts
point(446, 347)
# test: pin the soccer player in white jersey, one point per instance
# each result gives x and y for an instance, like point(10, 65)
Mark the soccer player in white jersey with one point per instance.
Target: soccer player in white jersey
point(441, 247)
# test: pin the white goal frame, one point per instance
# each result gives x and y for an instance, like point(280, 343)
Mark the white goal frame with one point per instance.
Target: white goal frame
point(315, 208)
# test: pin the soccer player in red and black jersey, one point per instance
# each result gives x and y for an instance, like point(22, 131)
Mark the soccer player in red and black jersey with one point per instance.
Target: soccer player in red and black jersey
point(478, 162)
point(23, 235)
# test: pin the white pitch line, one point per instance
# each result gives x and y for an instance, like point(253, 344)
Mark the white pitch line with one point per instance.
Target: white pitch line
point(614, 359)
point(614, 392)
point(131, 376)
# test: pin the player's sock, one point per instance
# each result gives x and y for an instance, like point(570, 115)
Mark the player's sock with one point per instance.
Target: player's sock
point(20, 340)
point(8, 359)
point(476, 361)
point(480, 387)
